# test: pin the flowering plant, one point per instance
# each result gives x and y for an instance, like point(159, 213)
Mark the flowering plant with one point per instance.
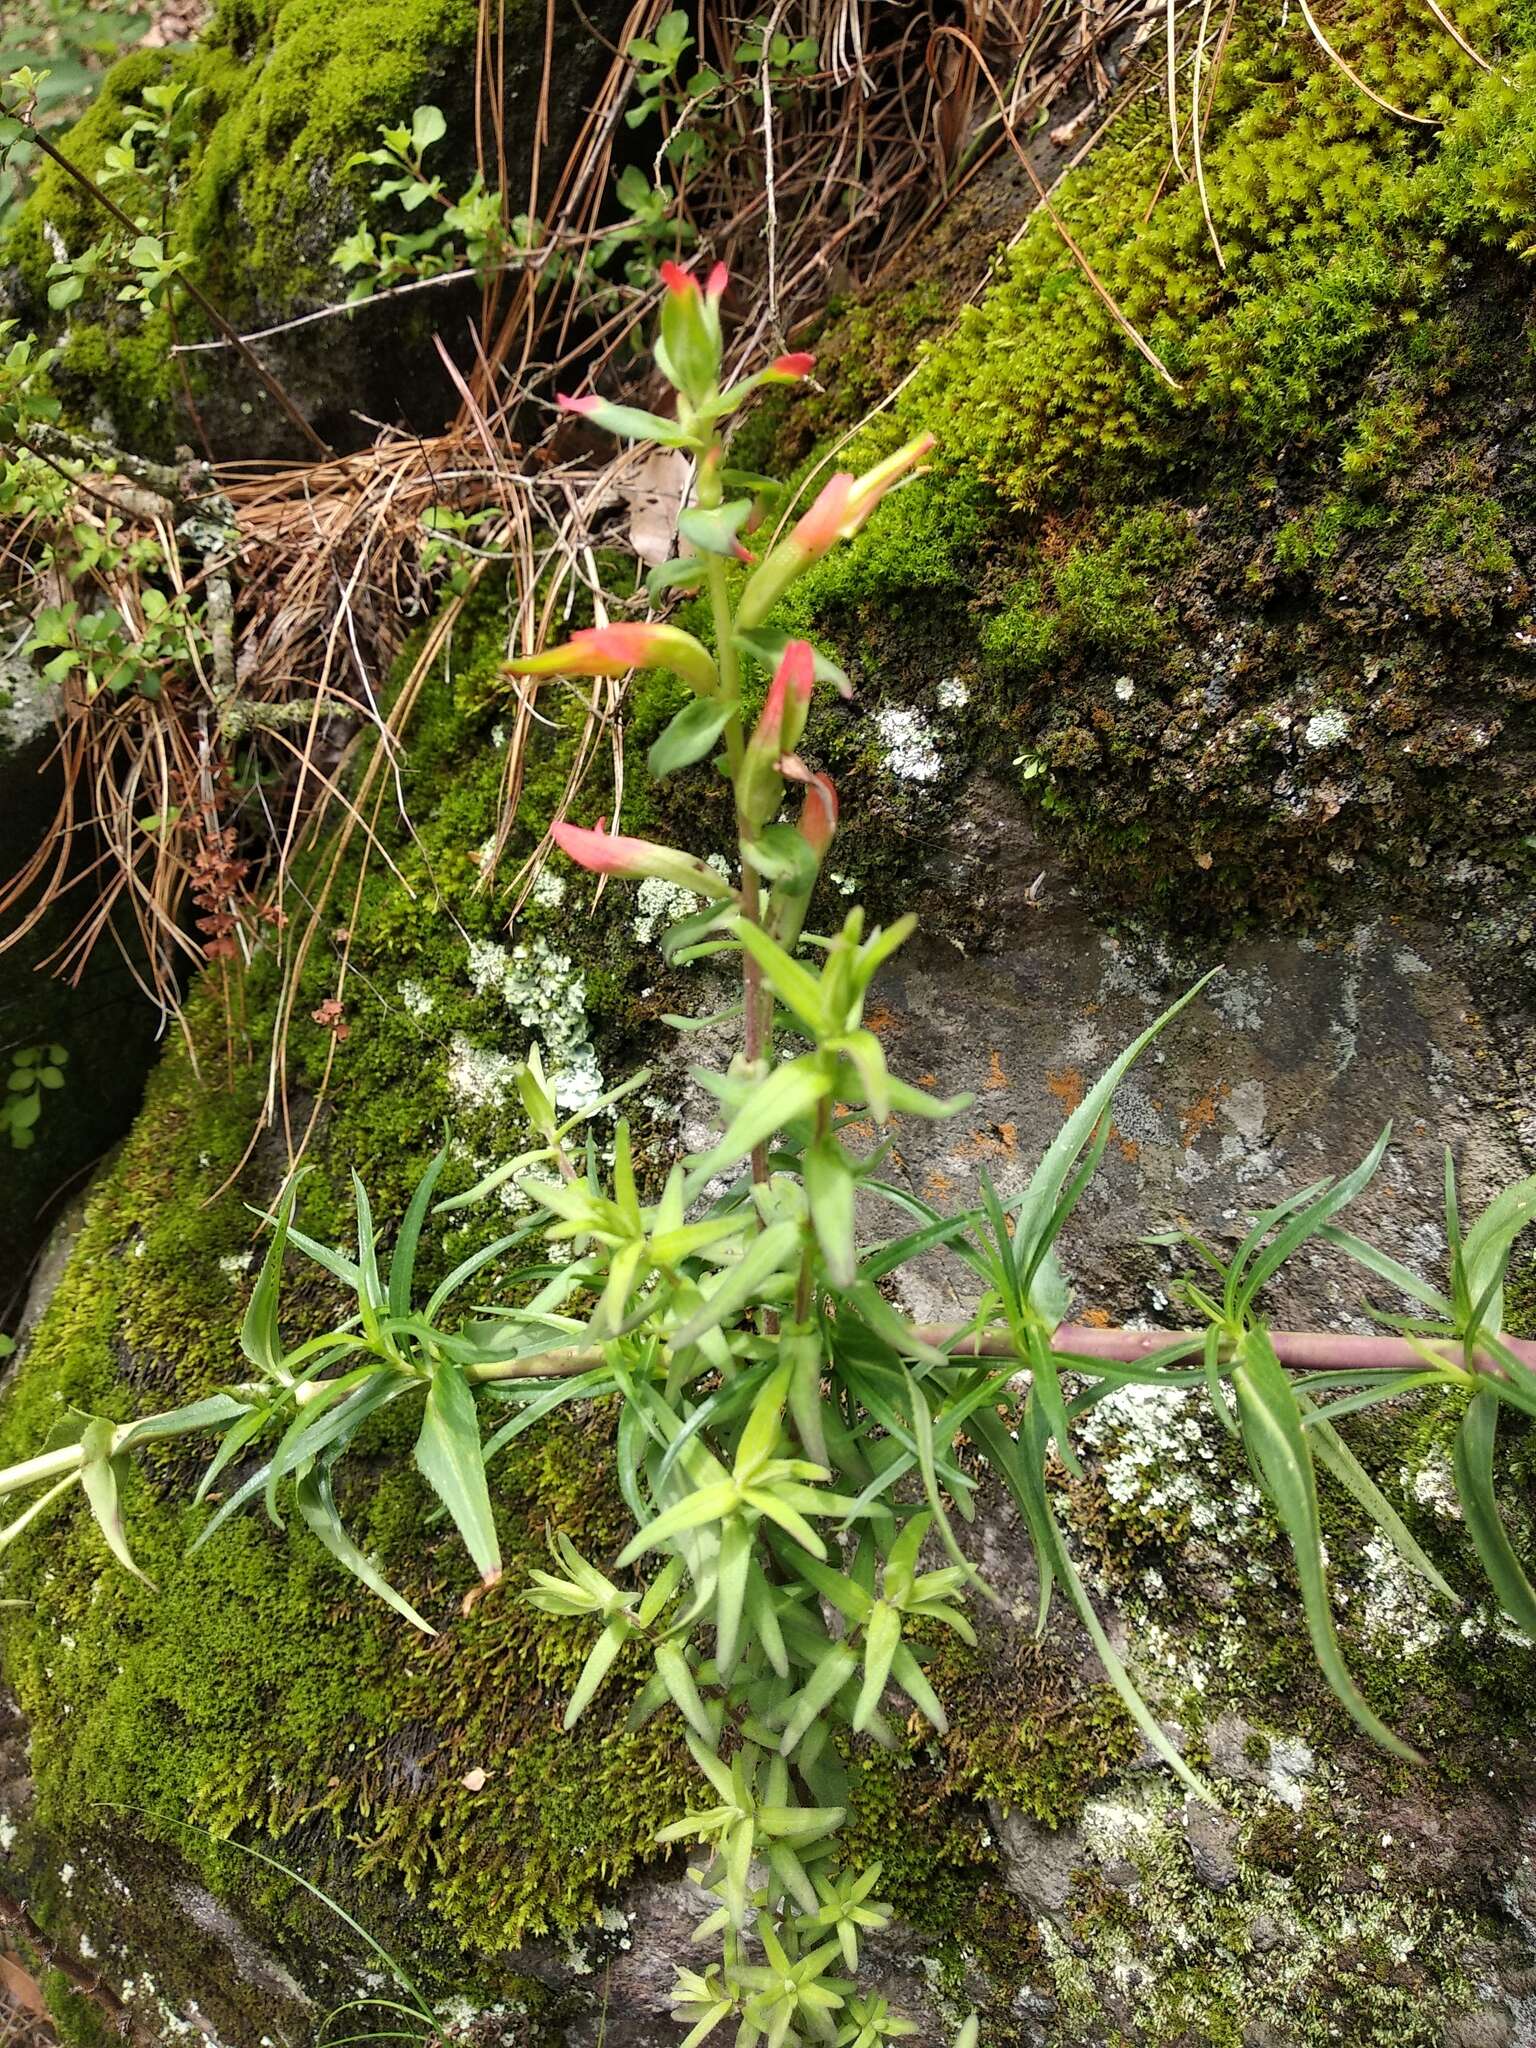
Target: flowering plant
point(786, 1440)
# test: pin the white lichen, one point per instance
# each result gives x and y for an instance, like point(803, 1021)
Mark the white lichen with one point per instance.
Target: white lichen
point(659, 903)
point(546, 992)
point(908, 743)
point(1326, 728)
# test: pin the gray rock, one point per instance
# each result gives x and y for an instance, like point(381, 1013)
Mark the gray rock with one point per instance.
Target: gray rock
point(1212, 1840)
point(1038, 1861)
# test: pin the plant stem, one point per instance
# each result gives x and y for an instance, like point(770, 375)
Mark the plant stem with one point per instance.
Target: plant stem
point(757, 1036)
point(1303, 1350)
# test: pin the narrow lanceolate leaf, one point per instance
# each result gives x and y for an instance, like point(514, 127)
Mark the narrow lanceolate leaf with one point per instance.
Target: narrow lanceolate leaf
point(673, 1669)
point(402, 1265)
point(206, 1414)
point(1273, 1431)
point(1051, 1174)
point(100, 1478)
point(1022, 1468)
point(829, 1189)
point(317, 1509)
point(1485, 1254)
point(769, 1254)
point(1335, 1456)
point(599, 1663)
point(789, 1092)
point(259, 1338)
point(731, 1573)
point(1474, 1485)
point(882, 1639)
point(449, 1454)
point(818, 1693)
point(1311, 1219)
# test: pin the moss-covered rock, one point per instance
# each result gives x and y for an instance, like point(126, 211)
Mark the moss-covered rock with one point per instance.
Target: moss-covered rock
point(289, 91)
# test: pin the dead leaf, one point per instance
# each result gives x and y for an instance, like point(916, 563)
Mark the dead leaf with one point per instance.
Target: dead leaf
point(653, 488)
point(472, 1781)
point(22, 1988)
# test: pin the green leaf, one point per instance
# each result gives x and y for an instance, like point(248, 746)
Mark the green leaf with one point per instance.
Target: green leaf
point(713, 529)
point(427, 126)
point(402, 1265)
point(1335, 1457)
point(1485, 1254)
point(795, 986)
point(818, 1693)
point(1474, 1486)
point(260, 1339)
point(1050, 1176)
point(768, 1256)
point(1021, 1466)
point(791, 1091)
point(101, 1473)
point(1307, 1224)
point(1276, 1440)
point(317, 1508)
point(766, 645)
point(673, 1669)
point(599, 1663)
point(690, 735)
point(882, 1639)
point(687, 572)
point(449, 1455)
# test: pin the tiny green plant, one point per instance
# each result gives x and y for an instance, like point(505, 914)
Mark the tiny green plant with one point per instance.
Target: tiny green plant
point(463, 233)
point(787, 1442)
point(36, 1070)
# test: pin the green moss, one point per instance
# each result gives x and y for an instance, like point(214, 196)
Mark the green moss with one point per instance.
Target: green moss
point(1333, 479)
point(77, 2021)
point(289, 91)
point(259, 1691)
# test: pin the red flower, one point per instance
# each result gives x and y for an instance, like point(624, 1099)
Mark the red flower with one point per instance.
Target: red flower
point(787, 704)
point(818, 814)
point(613, 853)
point(615, 650)
point(796, 364)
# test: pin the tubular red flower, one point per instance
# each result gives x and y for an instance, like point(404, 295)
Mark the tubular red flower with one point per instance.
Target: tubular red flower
point(818, 814)
point(797, 364)
point(629, 644)
point(787, 704)
point(719, 279)
point(603, 852)
point(586, 405)
point(616, 649)
point(818, 817)
point(614, 853)
point(815, 531)
point(678, 280)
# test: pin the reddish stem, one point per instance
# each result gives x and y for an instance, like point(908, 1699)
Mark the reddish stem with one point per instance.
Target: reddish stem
point(1303, 1350)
